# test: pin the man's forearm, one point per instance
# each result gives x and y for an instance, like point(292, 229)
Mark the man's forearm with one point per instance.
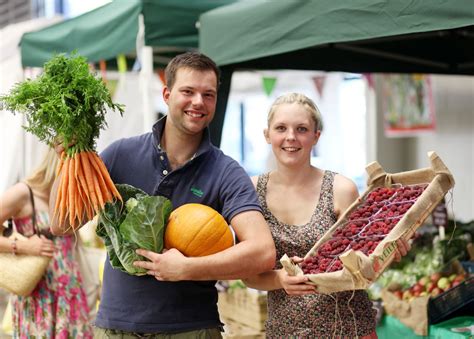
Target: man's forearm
point(240, 261)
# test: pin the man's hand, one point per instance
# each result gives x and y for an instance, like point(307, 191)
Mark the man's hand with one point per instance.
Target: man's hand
point(168, 266)
point(58, 145)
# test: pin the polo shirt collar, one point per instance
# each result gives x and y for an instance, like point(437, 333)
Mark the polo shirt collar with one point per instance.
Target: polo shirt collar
point(159, 126)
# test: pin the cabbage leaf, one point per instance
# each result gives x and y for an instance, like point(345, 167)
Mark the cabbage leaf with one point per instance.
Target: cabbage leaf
point(139, 223)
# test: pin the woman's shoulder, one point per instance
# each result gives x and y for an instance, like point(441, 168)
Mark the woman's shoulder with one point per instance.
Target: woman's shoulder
point(19, 191)
point(343, 183)
point(14, 198)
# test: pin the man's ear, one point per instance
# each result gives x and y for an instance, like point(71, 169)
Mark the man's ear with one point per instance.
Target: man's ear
point(166, 94)
point(267, 137)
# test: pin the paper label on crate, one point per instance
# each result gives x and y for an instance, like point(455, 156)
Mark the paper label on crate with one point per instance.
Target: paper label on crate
point(384, 259)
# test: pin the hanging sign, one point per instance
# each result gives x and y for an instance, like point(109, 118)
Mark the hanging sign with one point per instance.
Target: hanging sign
point(407, 104)
point(439, 218)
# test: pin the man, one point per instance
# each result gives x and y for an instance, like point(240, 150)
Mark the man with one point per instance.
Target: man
point(178, 298)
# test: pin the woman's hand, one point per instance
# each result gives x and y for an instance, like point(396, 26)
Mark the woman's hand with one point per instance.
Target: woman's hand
point(36, 245)
point(402, 248)
point(295, 285)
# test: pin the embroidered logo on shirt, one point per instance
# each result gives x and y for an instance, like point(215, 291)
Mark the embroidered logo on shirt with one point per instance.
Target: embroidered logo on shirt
point(197, 192)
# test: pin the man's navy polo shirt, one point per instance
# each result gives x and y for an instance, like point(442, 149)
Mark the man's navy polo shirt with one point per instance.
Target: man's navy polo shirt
point(143, 304)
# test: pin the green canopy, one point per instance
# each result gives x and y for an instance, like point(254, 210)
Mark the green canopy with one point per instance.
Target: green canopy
point(170, 27)
point(356, 36)
point(172, 23)
point(99, 34)
point(402, 36)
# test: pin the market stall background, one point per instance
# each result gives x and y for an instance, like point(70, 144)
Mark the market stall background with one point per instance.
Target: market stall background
point(405, 36)
point(115, 28)
point(363, 36)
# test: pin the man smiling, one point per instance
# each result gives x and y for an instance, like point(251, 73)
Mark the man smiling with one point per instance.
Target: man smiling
point(178, 298)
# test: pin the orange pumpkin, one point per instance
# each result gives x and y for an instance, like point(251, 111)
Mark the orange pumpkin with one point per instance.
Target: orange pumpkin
point(197, 230)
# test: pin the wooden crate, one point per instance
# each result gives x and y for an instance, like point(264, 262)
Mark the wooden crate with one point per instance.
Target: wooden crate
point(244, 307)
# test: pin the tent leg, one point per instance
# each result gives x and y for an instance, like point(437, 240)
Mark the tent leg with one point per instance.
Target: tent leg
point(222, 98)
point(146, 73)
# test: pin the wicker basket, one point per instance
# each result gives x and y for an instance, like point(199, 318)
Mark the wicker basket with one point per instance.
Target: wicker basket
point(19, 274)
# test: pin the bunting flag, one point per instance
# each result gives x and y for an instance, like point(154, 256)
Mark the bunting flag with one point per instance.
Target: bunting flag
point(121, 63)
point(269, 84)
point(161, 75)
point(370, 79)
point(319, 81)
point(103, 70)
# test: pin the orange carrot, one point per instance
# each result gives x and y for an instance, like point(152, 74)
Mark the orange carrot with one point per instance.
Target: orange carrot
point(60, 163)
point(106, 176)
point(81, 200)
point(64, 188)
point(89, 180)
point(84, 189)
point(57, 203)
point(71, 191)
point(103, 187)
point(98, 192)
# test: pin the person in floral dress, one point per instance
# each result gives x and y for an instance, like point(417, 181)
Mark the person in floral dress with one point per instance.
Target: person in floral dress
point(300, 203)
point(57, 307)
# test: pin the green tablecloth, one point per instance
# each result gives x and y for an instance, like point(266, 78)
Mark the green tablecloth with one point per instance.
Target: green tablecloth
point(390, 328)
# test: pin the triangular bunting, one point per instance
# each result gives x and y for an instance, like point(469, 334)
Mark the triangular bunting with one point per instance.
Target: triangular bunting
point(319, 81)
point(103, 70)
point(370, 79)
point(269, 84)
point(121, 63)
point(161, 75)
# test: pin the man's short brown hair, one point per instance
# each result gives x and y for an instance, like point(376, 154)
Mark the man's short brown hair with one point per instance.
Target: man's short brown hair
point(193, 60)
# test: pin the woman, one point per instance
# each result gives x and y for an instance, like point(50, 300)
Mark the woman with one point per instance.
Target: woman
point(300, 203)
point(57, 308)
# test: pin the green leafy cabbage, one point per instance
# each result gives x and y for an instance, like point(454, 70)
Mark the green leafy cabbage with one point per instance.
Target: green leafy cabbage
point(140, 223)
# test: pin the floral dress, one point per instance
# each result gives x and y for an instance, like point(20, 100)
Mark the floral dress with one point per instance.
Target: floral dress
point(57, 307)
point(337, 315)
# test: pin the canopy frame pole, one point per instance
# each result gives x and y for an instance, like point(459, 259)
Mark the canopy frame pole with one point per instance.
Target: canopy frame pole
point(146, 73)
point(388, 55)
point(466, 65)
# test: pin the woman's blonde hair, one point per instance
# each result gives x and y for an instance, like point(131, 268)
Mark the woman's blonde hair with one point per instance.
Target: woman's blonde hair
point(43, 176)
point(301, 99)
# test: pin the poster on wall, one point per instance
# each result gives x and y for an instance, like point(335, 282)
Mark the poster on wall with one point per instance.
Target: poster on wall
point(407, 104)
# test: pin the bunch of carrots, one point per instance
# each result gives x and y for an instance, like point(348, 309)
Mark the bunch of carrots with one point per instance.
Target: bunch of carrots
point(85, 187)
point(68, 102)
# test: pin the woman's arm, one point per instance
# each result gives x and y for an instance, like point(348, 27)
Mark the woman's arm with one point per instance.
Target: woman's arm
point(13, 201)
point(11, 204)
point(279, 279)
